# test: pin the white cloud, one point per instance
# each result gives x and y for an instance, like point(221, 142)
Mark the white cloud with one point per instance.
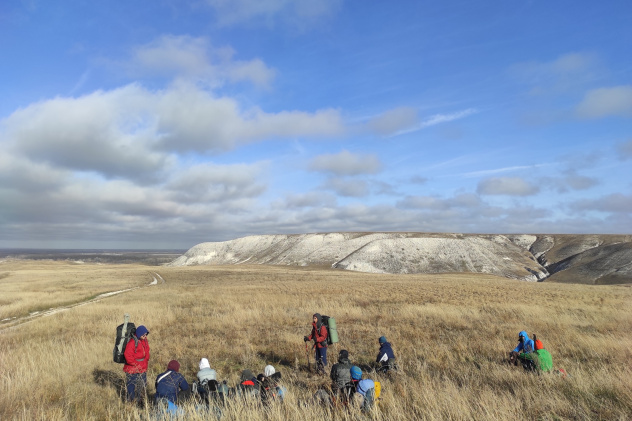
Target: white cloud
point(394, 120)
point(347, 187)
point(624, 150)
point(510, 186)
point(105, 132)
point(614, 203)
point(561, 74)
point(267, 12)
point(603, 102)
point(309, 200)
point(196, 59)
point(346, 163)
point(131, 132)
point(438, 119)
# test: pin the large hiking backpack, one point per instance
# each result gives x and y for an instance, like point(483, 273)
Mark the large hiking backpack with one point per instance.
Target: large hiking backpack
point(332, 331)
point(124, 333)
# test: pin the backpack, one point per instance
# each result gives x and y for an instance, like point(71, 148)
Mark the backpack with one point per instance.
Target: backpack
point(124, 333)
point(332, 331)
point(341, 374)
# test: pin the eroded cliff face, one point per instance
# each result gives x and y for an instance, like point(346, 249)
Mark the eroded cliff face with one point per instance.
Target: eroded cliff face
point(594, 259)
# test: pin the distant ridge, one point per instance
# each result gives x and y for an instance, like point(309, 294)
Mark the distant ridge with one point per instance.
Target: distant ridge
point(589, 259)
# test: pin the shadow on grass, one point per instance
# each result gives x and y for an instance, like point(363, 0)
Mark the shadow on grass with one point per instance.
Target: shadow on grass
point(111, 379)
point(275, 359)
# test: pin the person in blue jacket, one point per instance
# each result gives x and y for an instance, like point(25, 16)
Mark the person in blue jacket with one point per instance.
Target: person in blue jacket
point(385, 357)
point(169, 383)
point(525, 346)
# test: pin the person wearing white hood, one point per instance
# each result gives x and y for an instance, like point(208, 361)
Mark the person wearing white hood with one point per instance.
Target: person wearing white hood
point(206, 372)
point(269, 384)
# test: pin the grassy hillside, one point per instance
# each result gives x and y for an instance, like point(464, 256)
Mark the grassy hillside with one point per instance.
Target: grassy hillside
point(450, 333)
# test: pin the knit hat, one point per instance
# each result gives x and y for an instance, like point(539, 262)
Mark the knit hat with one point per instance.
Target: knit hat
point(343, 354)
point(141, 330)
point(269, 370)
point(382, 339)
point(356, 373)
point(173, 366)
point(204, 363)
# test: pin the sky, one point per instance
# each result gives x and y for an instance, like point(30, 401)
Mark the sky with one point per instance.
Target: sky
point(166, 123)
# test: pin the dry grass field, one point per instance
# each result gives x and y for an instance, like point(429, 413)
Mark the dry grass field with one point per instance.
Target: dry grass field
point(450, 333)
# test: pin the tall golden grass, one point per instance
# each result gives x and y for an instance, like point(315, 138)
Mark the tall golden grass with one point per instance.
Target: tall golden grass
point(451, 334)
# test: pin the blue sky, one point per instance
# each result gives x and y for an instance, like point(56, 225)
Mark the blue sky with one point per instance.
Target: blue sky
point(162, 124)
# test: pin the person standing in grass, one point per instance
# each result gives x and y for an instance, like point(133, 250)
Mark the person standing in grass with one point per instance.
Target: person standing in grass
point(385, 357)
point(136, 362)
point(319, 335)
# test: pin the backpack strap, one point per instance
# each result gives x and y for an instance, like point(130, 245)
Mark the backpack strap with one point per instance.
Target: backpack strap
point(159, 379)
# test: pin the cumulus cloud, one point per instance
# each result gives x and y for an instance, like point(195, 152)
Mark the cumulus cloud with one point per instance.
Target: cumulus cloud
point(195, 58)
point(570, 181)
point(347, 187)
point(309, 200)
point(395, 120)
point(614, 203)
point(561, 74)
point(624, 150)
point(509, 186)
point(604, 102)
point(131, 132)
point(104, 132)
point(268, 12)
point(346, 163)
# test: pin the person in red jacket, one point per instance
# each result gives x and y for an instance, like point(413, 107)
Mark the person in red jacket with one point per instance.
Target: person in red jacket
point(136, 362)
point(319, 335)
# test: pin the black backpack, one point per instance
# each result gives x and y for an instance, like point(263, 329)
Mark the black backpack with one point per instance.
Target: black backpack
point(124, 333)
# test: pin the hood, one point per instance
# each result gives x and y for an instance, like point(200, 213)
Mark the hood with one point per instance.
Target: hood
point(141, 330)
point(524, 334)
point(319, 318)
point(268, 371)
point(204, 363)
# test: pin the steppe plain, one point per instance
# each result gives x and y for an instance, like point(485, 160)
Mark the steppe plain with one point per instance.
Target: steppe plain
point(451, 333)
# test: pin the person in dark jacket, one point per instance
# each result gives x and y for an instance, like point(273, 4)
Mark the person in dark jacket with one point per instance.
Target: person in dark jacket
point(136, 362)
point(319, 335)
point(385, 357)
point(340, 372)
point(269, 385)
point(169, 383)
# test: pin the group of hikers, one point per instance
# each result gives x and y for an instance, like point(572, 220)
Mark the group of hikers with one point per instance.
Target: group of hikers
point(207, 390)
point(347, 385)
point(319, 334)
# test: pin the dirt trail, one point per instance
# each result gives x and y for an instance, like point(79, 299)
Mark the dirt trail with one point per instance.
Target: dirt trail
point(12, 322)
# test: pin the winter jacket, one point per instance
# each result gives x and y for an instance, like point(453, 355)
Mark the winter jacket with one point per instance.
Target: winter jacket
point(136, 356)
point(319, 334)
point(206, 373)
point(526, 346)
point(341, 373)
point(168, 384)
point(385, 354)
